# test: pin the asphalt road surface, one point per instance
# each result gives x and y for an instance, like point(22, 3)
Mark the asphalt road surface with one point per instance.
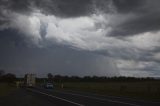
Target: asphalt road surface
point(51, 97)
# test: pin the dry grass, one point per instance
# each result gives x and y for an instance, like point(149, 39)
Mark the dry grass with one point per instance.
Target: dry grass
point(5, 89)
point(143, 90)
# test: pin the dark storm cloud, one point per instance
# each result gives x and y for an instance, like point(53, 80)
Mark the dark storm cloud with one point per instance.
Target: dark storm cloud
point(22, 6)
point(145, 17)
point(10, 38)
point(56, 59)
point(125, 6)
point(145, 23)
point(130, 17)
point(69, 8)
point(57, 7)
point(145, 12)
point(72, 8)
point(62, 8)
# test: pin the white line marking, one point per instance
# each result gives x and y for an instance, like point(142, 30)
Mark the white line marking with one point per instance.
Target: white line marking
point(56, 97)
point(133, 99)
point(109, 100)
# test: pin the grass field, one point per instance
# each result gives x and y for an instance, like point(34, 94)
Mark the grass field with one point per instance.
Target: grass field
point(143, 90)
point(5, 89)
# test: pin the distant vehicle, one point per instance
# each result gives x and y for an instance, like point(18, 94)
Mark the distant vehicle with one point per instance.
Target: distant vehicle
point(48, 85)
point(30, 80)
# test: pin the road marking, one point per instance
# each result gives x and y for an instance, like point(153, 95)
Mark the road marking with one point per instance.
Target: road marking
point(109, 100)
point(125, 98)
point(55, 97)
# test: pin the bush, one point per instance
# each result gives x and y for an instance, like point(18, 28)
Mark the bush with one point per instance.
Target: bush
point(9, 78)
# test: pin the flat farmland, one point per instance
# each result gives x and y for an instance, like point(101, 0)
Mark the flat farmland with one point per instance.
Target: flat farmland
point(142, 90)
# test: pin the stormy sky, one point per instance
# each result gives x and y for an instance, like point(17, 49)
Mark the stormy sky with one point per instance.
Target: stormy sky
point(80, 37)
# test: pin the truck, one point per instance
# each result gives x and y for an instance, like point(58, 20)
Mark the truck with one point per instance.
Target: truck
point(30, 80)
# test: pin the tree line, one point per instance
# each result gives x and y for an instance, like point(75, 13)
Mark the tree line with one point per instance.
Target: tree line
point(7, 77)
point(10, 78)
point(61, 78)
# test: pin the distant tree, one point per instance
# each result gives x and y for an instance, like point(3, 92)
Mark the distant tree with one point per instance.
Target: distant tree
point(1, 72)
point(58, 78)
point(50, 77)
point(9, 78)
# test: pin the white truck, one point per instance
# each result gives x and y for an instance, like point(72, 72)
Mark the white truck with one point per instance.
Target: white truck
point(30, 80)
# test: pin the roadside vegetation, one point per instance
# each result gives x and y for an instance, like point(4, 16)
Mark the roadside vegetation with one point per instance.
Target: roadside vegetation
point(142, 88)
point(7, 83)
point(5, 89)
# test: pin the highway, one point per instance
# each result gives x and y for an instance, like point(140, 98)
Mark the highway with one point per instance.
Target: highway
point(73, 98)
point(52, 97)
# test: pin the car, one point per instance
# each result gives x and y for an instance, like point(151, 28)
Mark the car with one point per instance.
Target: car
point(48, 85)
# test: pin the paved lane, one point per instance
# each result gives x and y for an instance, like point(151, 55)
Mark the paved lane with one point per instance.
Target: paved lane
point(22, 97)
point(45, 97)
point(91, 99)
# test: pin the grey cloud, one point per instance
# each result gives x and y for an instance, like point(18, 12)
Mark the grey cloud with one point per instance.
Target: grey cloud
point(139, 16)
point(73, 8)
point(15, 5)
point(55, 59)
point(145, 12)
point(65, 8)
point(145, 17)
point(145, 23)
point(125, 6)
point(62, 8)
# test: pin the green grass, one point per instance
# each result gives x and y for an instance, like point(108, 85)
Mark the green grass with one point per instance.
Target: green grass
point(5, 88)
point(142, 90)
